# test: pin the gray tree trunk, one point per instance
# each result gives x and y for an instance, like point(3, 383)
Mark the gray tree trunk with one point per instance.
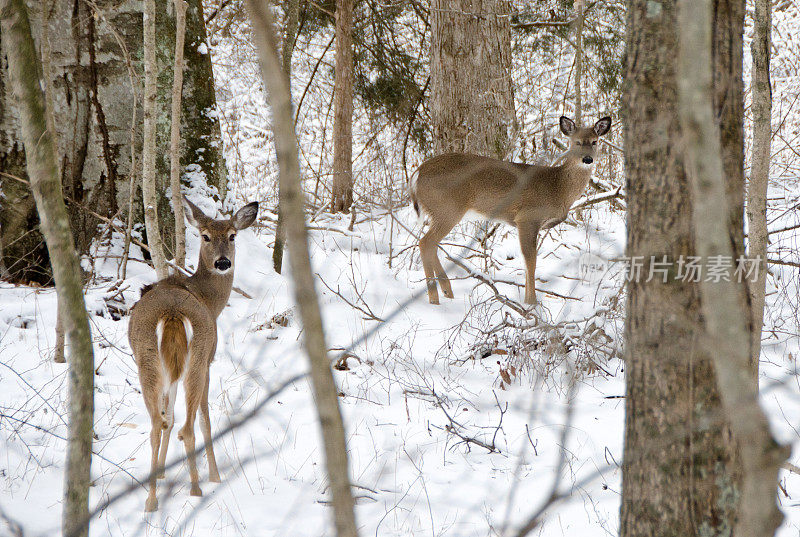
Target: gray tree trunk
point(759, 168)
point(292, 20)
point(44, 181)
point(175, 133)
point(149, 193)
point(95, 67)
point(472, 101)
point(579, 17)
point(680, 474)
point(727, 336)
point(292, 202)
point(342, 188)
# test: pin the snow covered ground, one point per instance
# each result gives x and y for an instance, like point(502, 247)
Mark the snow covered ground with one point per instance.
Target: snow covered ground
point(452, 428)
point(414, 392)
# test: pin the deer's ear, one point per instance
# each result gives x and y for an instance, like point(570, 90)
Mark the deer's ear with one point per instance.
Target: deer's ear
point(602, 126)
point(245, 216)
point(567, 125)
point(193, 214)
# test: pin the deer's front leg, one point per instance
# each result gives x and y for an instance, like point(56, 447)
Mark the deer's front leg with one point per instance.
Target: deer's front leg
point(528, 235)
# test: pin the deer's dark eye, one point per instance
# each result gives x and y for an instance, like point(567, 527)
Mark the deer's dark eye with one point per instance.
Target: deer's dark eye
point(233, 236)
point(206, 238)
point(594, 143)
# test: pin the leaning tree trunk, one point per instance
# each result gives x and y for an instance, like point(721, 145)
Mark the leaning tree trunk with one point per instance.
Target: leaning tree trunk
point(95, 67)
point(342, 188)
point(44, 181)
point(292, 202)
point(759, 167)
point(727, 335)
point(681, 474)
point(472, 102)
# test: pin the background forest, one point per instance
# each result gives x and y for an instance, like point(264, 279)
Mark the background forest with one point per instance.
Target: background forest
point(601, 411)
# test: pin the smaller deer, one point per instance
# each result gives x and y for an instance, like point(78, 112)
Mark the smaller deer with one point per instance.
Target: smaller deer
point(526, 196)
point(173, 334)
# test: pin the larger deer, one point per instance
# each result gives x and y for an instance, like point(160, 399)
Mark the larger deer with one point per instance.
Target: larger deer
point(173, 334)
point(526, 196)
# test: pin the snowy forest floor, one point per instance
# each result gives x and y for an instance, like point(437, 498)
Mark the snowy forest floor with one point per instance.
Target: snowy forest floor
point(453, 427)
point(458, 416)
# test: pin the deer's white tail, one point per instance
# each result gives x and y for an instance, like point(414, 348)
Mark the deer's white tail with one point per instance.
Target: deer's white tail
point(173, 350)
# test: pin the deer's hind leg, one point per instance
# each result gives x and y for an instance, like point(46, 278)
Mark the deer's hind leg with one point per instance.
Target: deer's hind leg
point(428, 248)
point(201, 350)
point(169, 415)
point(151, 382)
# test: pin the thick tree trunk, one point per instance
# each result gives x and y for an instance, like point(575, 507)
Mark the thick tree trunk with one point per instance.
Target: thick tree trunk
point(44, 181)
point(680, 472)
point(759, 167)
point(292, 20)
point(727, 331)
point(472, 101)
point(175, 134)
point(343, 110)
point(202, 137)
point(292, 202)
point(150, 195)
point(95, 67)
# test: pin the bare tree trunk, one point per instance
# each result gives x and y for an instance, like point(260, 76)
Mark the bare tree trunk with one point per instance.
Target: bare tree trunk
point(325, 392)
point(343, 110)
point(472, 101)
point(759, 168)
point(45, 183)
point(149, 194)
point(579, 17)
point(728, 337)
point(58, 351)
point(293, 16)
point(47, 76)
point(680, 473)
point(175, 134)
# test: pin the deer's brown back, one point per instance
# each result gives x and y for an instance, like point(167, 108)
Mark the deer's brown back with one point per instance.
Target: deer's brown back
point(450, 185)
point(168, 299)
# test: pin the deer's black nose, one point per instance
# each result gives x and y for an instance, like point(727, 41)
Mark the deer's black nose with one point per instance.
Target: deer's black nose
point(588, 160)
point(223, 263)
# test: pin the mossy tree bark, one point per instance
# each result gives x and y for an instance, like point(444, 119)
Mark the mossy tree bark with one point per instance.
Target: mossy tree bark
point(94, 47)
point(292, 202)
point(42, 170)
